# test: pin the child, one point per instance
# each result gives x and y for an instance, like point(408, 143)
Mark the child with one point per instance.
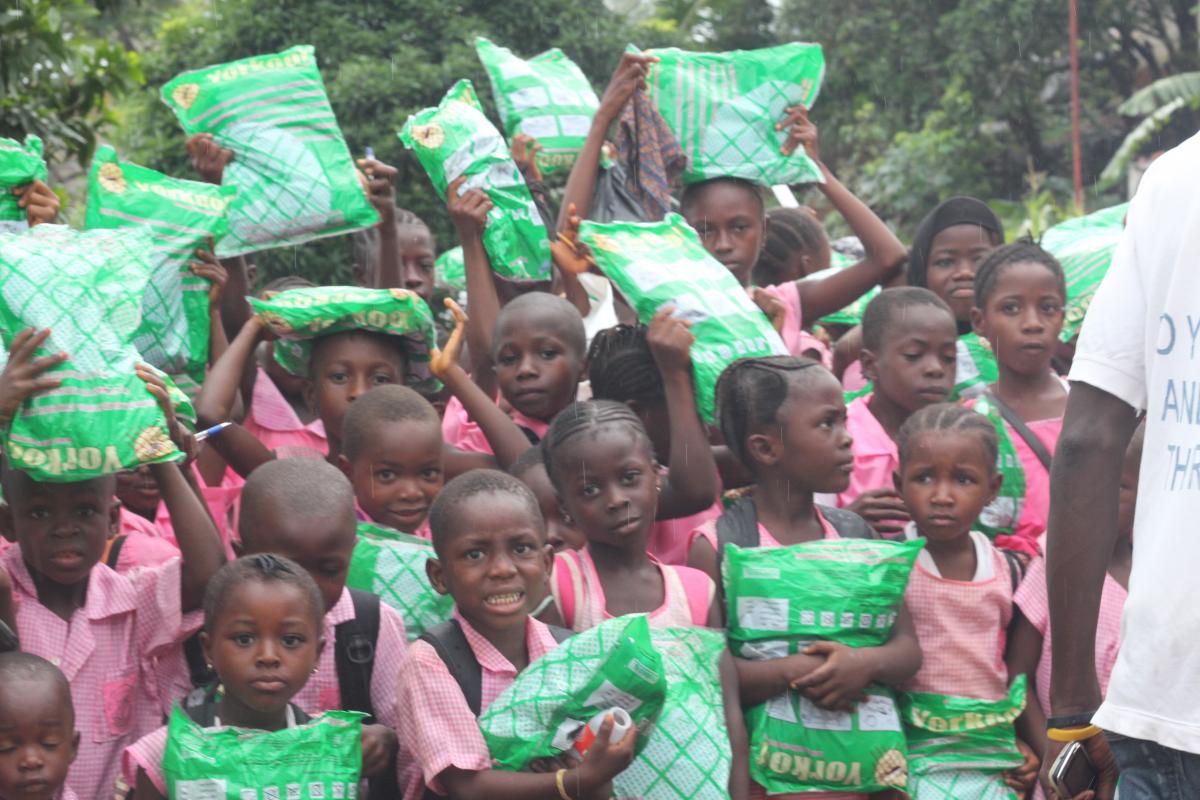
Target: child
point(262, 636)
point(602, 465)
point(415, 254)
point(1020, 293)
point(909, 341)
point(561, 531)
point(1029, 653)
point(102, 629)
point(492, 557)
point(961, 590)
point(38, 739)
point(786, 419)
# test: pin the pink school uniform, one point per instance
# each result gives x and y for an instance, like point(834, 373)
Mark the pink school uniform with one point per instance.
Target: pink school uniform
point(143, 545)
point(106, 653)
point(1035, 511)
point(436, 724)
point(669, 538)
point(273, 421)
point(876, 458)
point(459, 430)
point(795, 338)
point(687, 594)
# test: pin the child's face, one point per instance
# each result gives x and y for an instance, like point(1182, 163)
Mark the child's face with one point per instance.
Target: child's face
point(137, 490)
point(398, 473)
point(1022, 317)
point(322, 545)
point(953, 256)
point(810, 446)
point(345, 365)
point(62, 527)
point(38, 740)
point(946, 481)
point(538, 371)
point(560, 533)
point(730, 222)
point(416, 260)
point(495, 563)
point(915, 366)
point(608, 484)
point(264, 645)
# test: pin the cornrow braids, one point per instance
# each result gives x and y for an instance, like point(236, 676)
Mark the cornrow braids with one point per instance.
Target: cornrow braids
point(750, 393)
point(622, 368)
point(889, 305)
point(944, 418)
point(1005, 256)
point(587, 415)
point(263, 568)
point(791, 233)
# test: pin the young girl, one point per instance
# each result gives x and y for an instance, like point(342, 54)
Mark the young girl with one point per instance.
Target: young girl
point(263, 637)
point(1020, 293)
point(602, 465)
point(786, 419)
point(961, 590)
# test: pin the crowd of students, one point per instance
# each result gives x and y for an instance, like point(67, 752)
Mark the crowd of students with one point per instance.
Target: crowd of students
point(564, 477)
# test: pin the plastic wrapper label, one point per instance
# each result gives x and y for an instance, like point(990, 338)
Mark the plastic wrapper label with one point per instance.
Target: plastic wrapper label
point(293, 173)
point(456, 139)
point(656, 264)
point(87, 288)
point(392, 565)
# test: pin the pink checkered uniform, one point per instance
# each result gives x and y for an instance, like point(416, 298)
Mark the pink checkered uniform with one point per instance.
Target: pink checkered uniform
point(459, 430)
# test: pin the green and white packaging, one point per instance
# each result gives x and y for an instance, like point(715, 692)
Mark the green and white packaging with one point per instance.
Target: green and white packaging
point(392, 565)
point(182, 216)
point(298, 316)
point(1000, 517)
point(975, 366)
point(780, 600)
point(723, 108)
point(20, 164)
point(319, 760)
point(450, 270)
point(959, 747)
point(612, 665)
point(456, 139)
point(87, 287)
point(547, 97)
point(293, 173)
point(853, 313)
point(688, 755)
point(655, 264)
point(1085, 247)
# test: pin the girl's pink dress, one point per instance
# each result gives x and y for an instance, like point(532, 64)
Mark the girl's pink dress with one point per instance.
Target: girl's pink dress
point(459, 430)
point(794, 336)
point(1035, 512)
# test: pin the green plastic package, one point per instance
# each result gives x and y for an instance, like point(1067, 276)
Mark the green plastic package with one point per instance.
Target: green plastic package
point(688, 755)
point(87, 287)
point(547, 97)
point(20, 164)
point(456, 139)
point(851, 314)
point(182, 216)
point(319, 760)
point(958, 747)
point(298, 316)
point(1085, 247)
point(392, 565)
point(293, 173)
point(780, 600)
point(450, 270)
point(663, 263)
point(1000, 517)
point(723, 108)
point(612, 665)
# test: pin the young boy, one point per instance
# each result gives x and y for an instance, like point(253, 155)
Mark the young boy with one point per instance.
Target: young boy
point(38, 740)
point(303, 508)
point(493, 559)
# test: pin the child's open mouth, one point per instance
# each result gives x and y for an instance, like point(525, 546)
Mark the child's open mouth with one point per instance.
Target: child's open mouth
point(508, 600)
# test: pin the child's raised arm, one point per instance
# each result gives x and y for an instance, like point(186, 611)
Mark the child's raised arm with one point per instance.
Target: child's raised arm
point(232, 372)
point(884, 252)
point(22, 375)
point(200, 547)
point(690, 485)
point(381, 191)
point(468, 212)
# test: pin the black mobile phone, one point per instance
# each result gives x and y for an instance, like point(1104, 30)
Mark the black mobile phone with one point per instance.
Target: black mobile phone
point(1073, 771)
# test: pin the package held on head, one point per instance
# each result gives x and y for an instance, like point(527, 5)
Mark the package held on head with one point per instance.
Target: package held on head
point(723, 108)
point(547, 97)
point(181, 216)
point(780, 600)
point(456, 139)
point(293, 173)
point(657, 264)
point(20, 165)
point(391, 564)
point(87, 287)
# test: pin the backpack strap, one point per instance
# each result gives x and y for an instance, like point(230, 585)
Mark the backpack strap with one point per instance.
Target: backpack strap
point(455, 651)
point(848, 524)
point(737, 525)
point(1028, 436)
point(560, 634)
point(114, 551)
point(354, 654)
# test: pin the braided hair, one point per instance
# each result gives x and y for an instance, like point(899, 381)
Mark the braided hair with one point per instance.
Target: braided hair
point(989, 270)
point(622, 368)
point(945, 418)
point(263, 568)
point(750, 393)
point(588, 415)
point(791, 233)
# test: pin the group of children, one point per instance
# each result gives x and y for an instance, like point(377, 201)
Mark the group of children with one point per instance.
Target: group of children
point(546, 509)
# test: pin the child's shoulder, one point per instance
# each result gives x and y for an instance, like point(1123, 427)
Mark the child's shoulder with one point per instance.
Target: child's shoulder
point(146, 754)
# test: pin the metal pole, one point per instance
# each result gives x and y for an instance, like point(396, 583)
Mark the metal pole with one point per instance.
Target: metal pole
point(1076, 147)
